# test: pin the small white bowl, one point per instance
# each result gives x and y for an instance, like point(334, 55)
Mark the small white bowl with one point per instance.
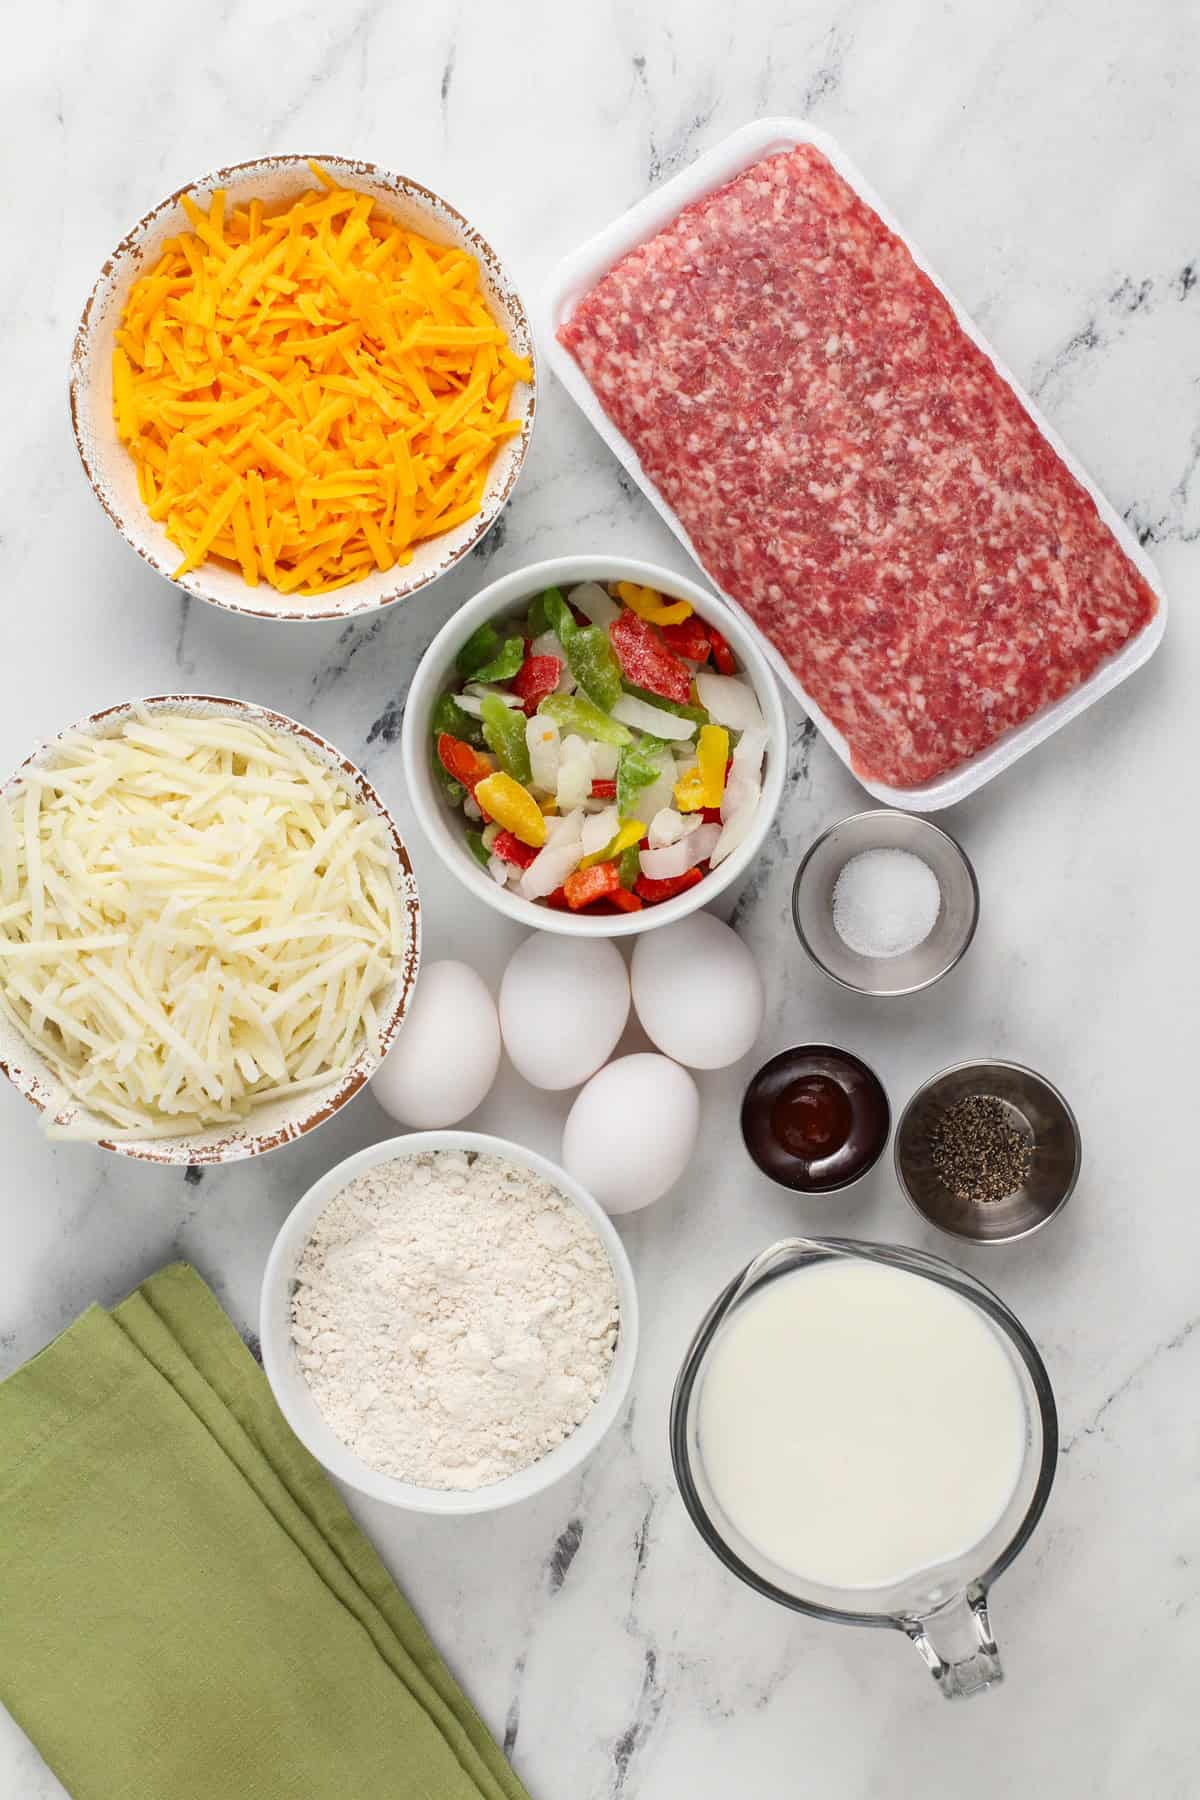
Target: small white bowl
point(295, 1398)
point(444, 827)
point(110, 468)
point(276, 1122)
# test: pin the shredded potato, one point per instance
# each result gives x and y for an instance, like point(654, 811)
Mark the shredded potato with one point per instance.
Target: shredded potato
point(307, 394)
point(196, 917)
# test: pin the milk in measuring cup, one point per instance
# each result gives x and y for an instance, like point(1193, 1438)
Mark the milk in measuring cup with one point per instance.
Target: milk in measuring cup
point(859, 1424)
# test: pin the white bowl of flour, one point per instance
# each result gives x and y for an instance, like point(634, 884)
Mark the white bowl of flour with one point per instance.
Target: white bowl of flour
point(449, 1322)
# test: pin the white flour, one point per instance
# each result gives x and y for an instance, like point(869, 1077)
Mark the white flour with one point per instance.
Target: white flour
point(455, 1318)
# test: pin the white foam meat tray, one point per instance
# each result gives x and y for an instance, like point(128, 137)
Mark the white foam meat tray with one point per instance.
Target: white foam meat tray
point(578, 273)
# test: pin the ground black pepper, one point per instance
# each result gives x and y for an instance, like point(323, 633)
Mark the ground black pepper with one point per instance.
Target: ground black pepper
point(979, 1149)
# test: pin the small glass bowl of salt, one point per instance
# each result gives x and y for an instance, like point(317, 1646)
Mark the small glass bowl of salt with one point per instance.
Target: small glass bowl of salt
point(885, 902)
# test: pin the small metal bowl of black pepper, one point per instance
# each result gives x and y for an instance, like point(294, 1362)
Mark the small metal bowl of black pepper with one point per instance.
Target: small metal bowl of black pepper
point(988, 1151)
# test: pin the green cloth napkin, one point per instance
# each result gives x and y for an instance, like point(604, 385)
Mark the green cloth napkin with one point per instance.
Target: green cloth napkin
point(187, 1610)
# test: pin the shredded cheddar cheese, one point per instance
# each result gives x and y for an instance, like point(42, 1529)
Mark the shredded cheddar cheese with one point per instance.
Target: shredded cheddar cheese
point(308, 394)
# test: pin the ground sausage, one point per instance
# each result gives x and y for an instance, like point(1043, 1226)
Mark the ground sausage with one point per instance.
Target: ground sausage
point(852, 469)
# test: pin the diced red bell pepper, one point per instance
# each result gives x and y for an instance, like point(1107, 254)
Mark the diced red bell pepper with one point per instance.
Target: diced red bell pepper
point(461, 761)
point(653, 892)
point(689, 639)
point(536, 677)
point(623, 901)
point(600, 882)
point(722, 654)
point(604, 790)
point(558, 900)
point(645, 659)
point(510, 849)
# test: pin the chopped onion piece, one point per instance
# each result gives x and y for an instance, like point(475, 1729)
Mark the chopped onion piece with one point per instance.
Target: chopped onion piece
point(598, 829)
point(730, 701)
point(542, 742)
point(604, 759)
point(676, 859)
point(566, 829)
point(668, 826)
point(733, 832)
point(481, 689)
point(594, 603)
point(574, 783)
point(548, 870)
point(641, 716)
point(744, 783)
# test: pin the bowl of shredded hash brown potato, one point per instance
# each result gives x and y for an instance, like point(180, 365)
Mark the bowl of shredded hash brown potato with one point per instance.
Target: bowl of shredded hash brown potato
point(303, 388)
point(209, 930)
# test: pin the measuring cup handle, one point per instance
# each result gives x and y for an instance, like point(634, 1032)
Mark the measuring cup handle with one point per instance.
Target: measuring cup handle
point(955, 1643)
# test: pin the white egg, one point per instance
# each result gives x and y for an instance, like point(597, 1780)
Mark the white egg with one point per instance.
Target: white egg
point(444, 1061)
point(697, 991)
point(632, 1130)
point(563, 1005)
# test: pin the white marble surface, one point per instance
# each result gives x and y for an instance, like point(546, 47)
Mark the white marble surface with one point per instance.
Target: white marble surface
point(1046, 158)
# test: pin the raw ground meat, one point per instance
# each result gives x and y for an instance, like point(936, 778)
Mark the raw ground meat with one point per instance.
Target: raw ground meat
point(853, 470)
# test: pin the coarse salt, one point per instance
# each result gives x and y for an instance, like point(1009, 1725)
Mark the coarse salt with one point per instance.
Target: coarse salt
point(885, 902)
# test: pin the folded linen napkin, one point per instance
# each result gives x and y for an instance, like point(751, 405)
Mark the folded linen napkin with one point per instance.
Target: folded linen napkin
point(187, 1610)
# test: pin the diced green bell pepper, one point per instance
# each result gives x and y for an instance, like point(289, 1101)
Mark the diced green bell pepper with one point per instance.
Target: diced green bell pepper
point(505, 664)
point(590, 655)
point(449, 716)
point(480, 649)
point(638, 766)
point(504, 733)
point(571, 712)
point(539, 614)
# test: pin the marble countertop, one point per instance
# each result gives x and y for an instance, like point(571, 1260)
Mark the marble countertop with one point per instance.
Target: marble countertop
point(1046, 160)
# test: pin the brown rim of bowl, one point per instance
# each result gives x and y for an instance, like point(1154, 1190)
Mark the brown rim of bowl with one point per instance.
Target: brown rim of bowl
point(246, 1143)
point(399, 183)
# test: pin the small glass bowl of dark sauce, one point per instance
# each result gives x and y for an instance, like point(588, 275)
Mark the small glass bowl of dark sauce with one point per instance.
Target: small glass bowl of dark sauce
point(816, 1118)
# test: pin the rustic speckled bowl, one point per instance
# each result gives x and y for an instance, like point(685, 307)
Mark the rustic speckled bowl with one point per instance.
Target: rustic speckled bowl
point(275, 1122)
point(110, 469)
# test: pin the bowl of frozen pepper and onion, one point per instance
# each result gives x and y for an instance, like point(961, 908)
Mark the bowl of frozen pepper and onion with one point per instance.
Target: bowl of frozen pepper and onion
point(595, 745)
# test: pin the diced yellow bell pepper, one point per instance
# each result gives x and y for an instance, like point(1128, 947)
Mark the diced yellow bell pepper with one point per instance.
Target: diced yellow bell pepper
point(712, 752)
point(689, 790)
point(631, 832)
point(513, 808)
point(648, 604)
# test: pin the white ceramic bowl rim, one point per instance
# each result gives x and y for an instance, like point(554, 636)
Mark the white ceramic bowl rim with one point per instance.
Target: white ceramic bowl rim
point(300, 1113)
point(444, 830)
point(110, 469)
point(300, 1409)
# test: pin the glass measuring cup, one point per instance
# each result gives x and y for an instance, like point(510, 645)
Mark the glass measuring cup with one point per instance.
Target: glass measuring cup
point(942, 1610)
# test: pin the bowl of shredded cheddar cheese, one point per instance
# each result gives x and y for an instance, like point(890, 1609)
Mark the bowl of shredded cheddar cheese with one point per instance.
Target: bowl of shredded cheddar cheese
point(209, 930)
point(303, 388)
